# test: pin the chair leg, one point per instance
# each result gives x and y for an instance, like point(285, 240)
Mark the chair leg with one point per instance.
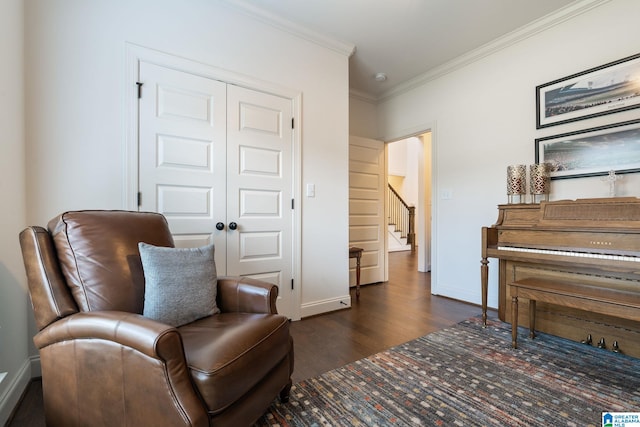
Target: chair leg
point(284, 393)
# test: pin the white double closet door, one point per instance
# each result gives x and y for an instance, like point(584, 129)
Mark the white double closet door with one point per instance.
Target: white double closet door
point(216, 160)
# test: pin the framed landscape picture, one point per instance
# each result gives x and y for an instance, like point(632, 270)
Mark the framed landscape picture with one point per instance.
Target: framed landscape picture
point(598, 91)
point(592, 152)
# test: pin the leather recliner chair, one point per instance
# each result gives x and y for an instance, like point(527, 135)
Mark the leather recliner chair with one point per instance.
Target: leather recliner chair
point(104, 364)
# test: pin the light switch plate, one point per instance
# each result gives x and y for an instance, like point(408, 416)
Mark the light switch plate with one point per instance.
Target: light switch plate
point(311, 190)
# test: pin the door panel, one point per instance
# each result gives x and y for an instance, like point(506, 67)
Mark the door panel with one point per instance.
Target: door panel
point(181, 103)
point(260, 203)
point(259, 161)
point(182, 158)
point(259, 188)
point(366, 208)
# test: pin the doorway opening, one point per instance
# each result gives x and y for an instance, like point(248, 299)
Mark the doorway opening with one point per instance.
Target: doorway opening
point(409, 173)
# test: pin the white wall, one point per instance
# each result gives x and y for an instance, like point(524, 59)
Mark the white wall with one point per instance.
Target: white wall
point(363, 117)
point(404, 158)
point(14, 311)
point(484, 114)
point(397, 158)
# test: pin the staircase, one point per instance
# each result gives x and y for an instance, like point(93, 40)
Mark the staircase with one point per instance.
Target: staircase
point(401, 223)
point(397, 243)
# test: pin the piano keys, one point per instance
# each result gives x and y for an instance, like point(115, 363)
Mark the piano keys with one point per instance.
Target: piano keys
point(594, 242)
point(554, 252)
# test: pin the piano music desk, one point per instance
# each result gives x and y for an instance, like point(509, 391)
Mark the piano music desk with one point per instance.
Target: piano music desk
point(596, 299)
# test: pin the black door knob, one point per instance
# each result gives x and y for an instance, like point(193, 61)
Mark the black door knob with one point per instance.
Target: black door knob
point(233, 225)
point(220, 226)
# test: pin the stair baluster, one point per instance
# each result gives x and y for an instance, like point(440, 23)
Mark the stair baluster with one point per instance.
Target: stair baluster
point(402, 216)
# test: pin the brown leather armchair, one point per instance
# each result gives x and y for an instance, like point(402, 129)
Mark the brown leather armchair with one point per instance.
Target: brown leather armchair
point(104, 364)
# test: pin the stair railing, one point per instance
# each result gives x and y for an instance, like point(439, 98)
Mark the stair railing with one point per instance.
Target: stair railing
point(402, 216)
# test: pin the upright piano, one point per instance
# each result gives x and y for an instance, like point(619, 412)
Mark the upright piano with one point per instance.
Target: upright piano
point(590, 242)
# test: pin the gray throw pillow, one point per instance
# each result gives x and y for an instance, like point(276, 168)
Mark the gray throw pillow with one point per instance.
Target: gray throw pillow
point(180, 283)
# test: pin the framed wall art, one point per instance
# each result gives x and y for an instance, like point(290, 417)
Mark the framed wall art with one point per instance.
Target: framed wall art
point(592, 152)
point(607, 89)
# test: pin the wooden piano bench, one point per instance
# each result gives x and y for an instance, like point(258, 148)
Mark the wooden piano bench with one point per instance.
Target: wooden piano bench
point(613, 302)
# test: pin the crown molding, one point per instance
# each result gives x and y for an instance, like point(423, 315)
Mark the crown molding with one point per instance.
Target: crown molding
point(549, 21)
point(282, 24)
point(362, 96)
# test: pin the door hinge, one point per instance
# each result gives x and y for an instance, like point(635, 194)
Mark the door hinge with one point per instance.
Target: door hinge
point(292, 126)
point(292, 204)
point(291, 284)
point(139, 198)
point(139, 89)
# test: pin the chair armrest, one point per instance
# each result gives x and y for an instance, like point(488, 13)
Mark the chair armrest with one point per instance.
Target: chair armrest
point(131, 361)
point(246, 295)
point(145, 335)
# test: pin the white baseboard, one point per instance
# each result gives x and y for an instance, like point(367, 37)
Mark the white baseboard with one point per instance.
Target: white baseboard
point(325, 306)
point(9, 400)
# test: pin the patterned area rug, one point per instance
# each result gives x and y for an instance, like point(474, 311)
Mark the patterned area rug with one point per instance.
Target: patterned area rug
point(467, 375)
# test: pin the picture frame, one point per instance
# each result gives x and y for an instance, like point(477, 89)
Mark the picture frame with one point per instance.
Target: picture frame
point(592, 152)
point(602, 90)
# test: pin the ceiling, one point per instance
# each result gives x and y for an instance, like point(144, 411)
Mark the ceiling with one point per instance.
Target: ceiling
point(405, 38)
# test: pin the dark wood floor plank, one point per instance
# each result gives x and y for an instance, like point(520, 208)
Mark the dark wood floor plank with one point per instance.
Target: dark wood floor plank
point(30, 412)
point(386, 315)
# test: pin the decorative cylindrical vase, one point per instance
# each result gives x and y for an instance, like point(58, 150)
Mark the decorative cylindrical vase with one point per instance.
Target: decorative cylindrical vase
point(516, 182)
point(539, 182)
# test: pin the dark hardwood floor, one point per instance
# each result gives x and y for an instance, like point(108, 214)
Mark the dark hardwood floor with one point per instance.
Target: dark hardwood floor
point(387, 314)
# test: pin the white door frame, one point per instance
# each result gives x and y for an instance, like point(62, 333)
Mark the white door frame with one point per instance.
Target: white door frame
point(136, 54)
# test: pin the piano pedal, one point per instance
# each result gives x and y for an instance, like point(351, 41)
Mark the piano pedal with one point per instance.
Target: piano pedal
point(616, 347)
point(588, 340)
point(601, 343)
